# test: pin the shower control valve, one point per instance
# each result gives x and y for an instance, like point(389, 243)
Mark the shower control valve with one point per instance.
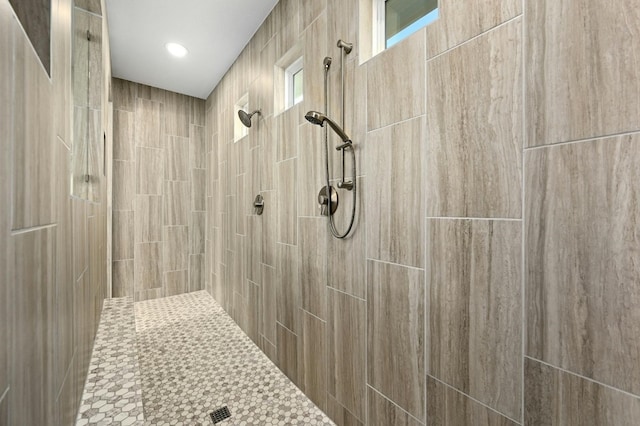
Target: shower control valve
point(323, 200)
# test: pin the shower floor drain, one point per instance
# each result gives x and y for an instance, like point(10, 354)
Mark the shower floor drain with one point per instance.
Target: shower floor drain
point(220, 414)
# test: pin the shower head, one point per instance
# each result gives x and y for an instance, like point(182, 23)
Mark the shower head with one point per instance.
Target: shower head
point(317, 118)
point(245, 117)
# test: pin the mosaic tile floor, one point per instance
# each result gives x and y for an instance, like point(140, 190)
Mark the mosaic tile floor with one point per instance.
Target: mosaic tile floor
point(194, 359)
point(112, 392)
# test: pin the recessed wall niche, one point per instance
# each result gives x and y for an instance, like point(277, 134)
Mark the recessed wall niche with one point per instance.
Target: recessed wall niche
point(35, 17)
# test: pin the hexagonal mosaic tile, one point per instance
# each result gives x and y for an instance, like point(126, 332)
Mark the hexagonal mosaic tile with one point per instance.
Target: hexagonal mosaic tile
point(195, 359)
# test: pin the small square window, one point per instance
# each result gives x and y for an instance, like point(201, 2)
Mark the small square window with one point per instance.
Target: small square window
point(294, 75)
point(395, 20)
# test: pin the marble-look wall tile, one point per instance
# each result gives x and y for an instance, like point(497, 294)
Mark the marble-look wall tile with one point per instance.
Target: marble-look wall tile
point(33, 140)
point(196, 272)
point(176, 166)
point(150, 117)
point(313, 265)
point(383, 412)
point(347, 352)
point(287, 229)
point(254, 249)
point(152, 94)
point(148, 219)
point(177, 114)
point(122, 273)
point(147, 266)
point(123, 226)
point(474, 126)
point(315, 359)
point(555, 397)
point(269, 304)
point(149, 166)
point(347, 256)
point(311, 172)
point(123, 135)
point(314, 49)
point(175, 243)
point(269, 225)
point(475, 279)
point(582, 74)
point(288, 287)
point(395, 334)
point(197, 148)
point(287, 344)
point(391, 99)
point(196, 233)
point(176, 282)
point(309, 12)
point(198, 190)
point(446, 406)
point(395, 227)
point(341, 23)
point(340, 415)
point(254, 314)
point(124, 184)
point(124, 94)
point(459, 21)
point(287, 136)
point(581, 275)
point(32, 337)
point(80, 240)
point(197, 111)
point(176, 203)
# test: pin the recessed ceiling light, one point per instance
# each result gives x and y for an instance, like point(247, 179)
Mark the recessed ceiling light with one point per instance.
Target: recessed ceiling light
point(176, 49)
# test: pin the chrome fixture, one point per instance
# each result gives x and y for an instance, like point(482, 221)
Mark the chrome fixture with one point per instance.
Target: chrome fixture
point(327, 62)
point(327, 201)
point(258, 204)
point(315, 117)
point(347, 47)
point(246, 118)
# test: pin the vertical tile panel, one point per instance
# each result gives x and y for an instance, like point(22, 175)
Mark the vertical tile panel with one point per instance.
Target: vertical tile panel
point(148, 127)
point(288, 289)
point(577, 87)
point(176, 166)
point(148, 219)
point(395, 336)
point(124, 184)
point(347, 352)
point(123, 225)
point(313, 265)
point(315, 360)
point(123, 135)
point(395, 83)
point(197, 148)
point(177, 114)
point(393, 200)
point(148, 266)
point(475, 309)
point(176, 282)
point(383, 412)
point(196, 272)
point(149, 166)
point(269, 305)
point(122, 276)
point(287, 202)
point(582, 275)
point(176, 203)
point(124, 95)
point(474, 128)
point(175, 243)
point(446, 406)
point(287, 344)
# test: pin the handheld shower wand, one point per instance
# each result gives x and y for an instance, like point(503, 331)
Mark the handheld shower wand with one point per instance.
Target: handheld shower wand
point(317, 118)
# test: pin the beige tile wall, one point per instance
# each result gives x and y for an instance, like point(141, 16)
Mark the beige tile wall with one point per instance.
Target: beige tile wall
point(53, 263)
point(159, 194)
point(471, 222)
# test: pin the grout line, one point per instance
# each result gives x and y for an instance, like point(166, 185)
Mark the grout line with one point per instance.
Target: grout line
point(395, 264)
point(396, 405)
point(474, 399)
point(6, 392)
point(577, 141)
point(315, 316)
point(523, 274)
point(475, 37)
point(396, 123)
point(21, 231)
point(346, 294)
point(286, 328)
point(612, 388)
point(494, 219)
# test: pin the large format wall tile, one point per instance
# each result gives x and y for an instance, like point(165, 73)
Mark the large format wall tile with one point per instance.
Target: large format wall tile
point(555, 397)
point(124, 184)
point(31, 292)
point(347, 351)
point(148, 266)
point(149, 166)
point(313, 258)
point(475, 312)
point(446, 406)
point(287, 344)
point(123, 135)
point(124, 95)
point(122, 274)
point(459, 21)
point(176, 203)
point(395, 334)
point(383, 412)
point(474, 125)
point(149, 120)
point(148, 219)
point(177, 114)
point(582, 275)
point(314, 337)
point(175, 243)
point(176, 166)
point(288, 287)
point(269, 304)
point(582, 78)
point(287, 230)
point(123, 224)
point(395, 224)
point(391, 99)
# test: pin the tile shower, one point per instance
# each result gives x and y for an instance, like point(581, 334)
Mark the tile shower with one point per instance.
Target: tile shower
point(491, 277)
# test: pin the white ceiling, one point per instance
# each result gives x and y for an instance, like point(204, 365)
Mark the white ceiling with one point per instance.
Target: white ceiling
point(214, 32)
